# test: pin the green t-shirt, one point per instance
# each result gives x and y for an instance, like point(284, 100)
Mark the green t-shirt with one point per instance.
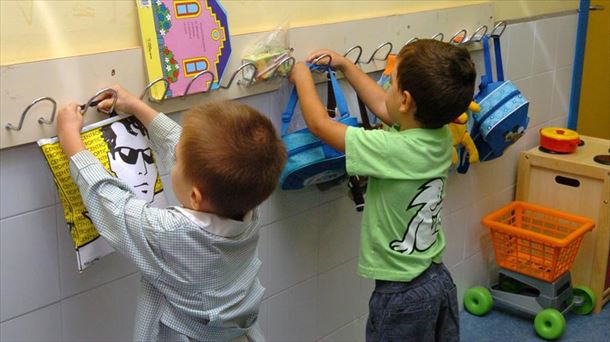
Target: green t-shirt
point(401, 227)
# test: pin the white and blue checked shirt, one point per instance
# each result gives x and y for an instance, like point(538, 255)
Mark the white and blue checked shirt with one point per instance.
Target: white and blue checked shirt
point(199, 271)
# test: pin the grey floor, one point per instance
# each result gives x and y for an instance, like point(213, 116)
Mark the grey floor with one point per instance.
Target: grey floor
point(498, 326)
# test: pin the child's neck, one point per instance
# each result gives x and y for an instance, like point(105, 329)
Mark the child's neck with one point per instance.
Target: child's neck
point(408, 121)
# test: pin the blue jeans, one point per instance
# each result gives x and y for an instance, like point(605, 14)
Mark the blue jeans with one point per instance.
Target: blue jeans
point(424, 309)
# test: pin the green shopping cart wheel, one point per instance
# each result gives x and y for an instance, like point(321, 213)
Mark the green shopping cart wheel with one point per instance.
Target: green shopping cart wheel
point(588, 300)
point(478, 300)
point(550, 324)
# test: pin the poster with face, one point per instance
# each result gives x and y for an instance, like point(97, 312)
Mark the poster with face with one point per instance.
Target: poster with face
point(121, 144)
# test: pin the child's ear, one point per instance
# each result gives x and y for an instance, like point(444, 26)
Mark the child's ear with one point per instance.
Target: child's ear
point(196, 198)
point(406, 102)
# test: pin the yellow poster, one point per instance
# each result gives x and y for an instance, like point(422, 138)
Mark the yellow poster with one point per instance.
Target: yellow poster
point(121, 144)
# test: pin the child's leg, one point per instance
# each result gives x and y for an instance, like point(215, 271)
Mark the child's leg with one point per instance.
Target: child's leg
point(424, 309)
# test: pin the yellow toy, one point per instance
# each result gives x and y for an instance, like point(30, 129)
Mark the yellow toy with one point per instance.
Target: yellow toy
point(460, 135)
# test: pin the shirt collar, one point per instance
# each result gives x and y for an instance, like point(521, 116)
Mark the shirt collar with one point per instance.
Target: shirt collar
point(217, 225)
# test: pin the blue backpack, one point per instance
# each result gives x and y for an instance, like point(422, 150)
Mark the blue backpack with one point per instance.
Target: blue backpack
point(503, 116)
point(310, 160)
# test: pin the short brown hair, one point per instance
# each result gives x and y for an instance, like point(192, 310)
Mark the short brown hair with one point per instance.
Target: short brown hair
point(440, 78)
point(233, 154)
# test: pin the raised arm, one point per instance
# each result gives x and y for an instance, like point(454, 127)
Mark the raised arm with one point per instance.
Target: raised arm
point(164, 132)
point(127, 223)
point(314, 112)
point(367, 89)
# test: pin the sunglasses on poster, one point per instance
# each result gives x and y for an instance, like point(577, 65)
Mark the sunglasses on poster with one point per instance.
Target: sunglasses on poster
point(130, 155)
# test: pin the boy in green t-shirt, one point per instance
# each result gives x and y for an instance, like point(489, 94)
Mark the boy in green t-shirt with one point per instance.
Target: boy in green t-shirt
point(401, 241)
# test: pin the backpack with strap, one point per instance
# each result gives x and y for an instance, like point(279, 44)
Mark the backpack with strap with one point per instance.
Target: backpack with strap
point(310, 160)
point(503, 116)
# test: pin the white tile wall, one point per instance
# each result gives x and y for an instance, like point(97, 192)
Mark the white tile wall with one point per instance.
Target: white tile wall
point(43, 324)
point(25, 180)
point(106, 313)
point(29, 271)
point(309, 241)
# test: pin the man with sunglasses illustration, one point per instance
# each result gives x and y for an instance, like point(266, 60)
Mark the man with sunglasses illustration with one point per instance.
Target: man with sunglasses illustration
point(130, 157)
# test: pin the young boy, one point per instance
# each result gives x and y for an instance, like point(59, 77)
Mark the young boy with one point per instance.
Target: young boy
point(198, 262)
point(401, 240)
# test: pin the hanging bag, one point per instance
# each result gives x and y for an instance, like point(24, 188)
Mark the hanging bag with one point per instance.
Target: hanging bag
point(310, 160)
point(503, 116)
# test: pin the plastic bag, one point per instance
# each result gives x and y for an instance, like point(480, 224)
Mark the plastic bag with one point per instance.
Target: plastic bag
point(271, 55)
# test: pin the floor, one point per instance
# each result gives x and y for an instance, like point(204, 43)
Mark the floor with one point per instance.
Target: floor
point(498, 326)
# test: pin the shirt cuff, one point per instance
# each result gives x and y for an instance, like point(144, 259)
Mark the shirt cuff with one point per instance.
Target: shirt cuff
point(84, 167)
point(160, 127)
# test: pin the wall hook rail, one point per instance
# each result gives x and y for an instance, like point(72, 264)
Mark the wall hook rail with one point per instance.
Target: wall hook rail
point(498, 29)
point(459, 37)
point(242, 67)
point(188, 87)
point(289, 60)
point(92, 102)
point(321, 57)
point(380, 47)
point(412, 40)
point(439, 36)
point(41, 120)
point(478, 34)
point(354, 48)
point(151, 84)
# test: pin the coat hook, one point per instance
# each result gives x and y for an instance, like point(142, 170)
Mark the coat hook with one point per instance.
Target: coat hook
point(459, 37)
point(477, 35)
point(291, 61)
point(439, 36)
point(412, 40)
point(92, 103)
point(41, 120)
point(357, 47)
point(377, 50)
point(151, 84)
point(498, 29)
point(186, 91)
point(242, 67)
point(319, 58)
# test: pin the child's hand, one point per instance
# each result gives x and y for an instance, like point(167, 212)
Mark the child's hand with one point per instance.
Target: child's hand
point(299, 71)
point(125, 103)
point(338, 61)
point(69, 124)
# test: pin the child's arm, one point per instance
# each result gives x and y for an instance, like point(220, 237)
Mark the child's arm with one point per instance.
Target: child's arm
point(314, 112)
point(368, 90)
point(127, 223)
point(164, 132)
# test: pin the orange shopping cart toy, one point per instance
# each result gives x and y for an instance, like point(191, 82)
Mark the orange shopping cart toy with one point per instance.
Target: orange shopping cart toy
point(534, 247)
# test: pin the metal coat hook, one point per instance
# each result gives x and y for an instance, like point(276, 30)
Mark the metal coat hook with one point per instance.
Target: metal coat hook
point(319, 58)
point(151, 84)
point(412, 40)
point(377, 50)
point(41, 120)
point(439, 36)
point(498, 29)
point(291, 61)
point(92, 103)
point(357, 47)
point(186, 91)
point(459, 37)
point(478, 34)
point(242, 67)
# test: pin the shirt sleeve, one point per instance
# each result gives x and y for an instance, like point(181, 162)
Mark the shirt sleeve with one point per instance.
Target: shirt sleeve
point(164, 136)
point(366, 152)
point(126, 222)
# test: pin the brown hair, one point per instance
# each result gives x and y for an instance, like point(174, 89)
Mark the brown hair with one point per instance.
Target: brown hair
point(440, 78)
point(233, 154)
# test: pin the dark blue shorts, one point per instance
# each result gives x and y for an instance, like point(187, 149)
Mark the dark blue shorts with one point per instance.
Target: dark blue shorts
point(424, 309)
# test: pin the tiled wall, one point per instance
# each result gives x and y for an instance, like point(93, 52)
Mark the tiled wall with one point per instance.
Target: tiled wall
point(309, 242)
